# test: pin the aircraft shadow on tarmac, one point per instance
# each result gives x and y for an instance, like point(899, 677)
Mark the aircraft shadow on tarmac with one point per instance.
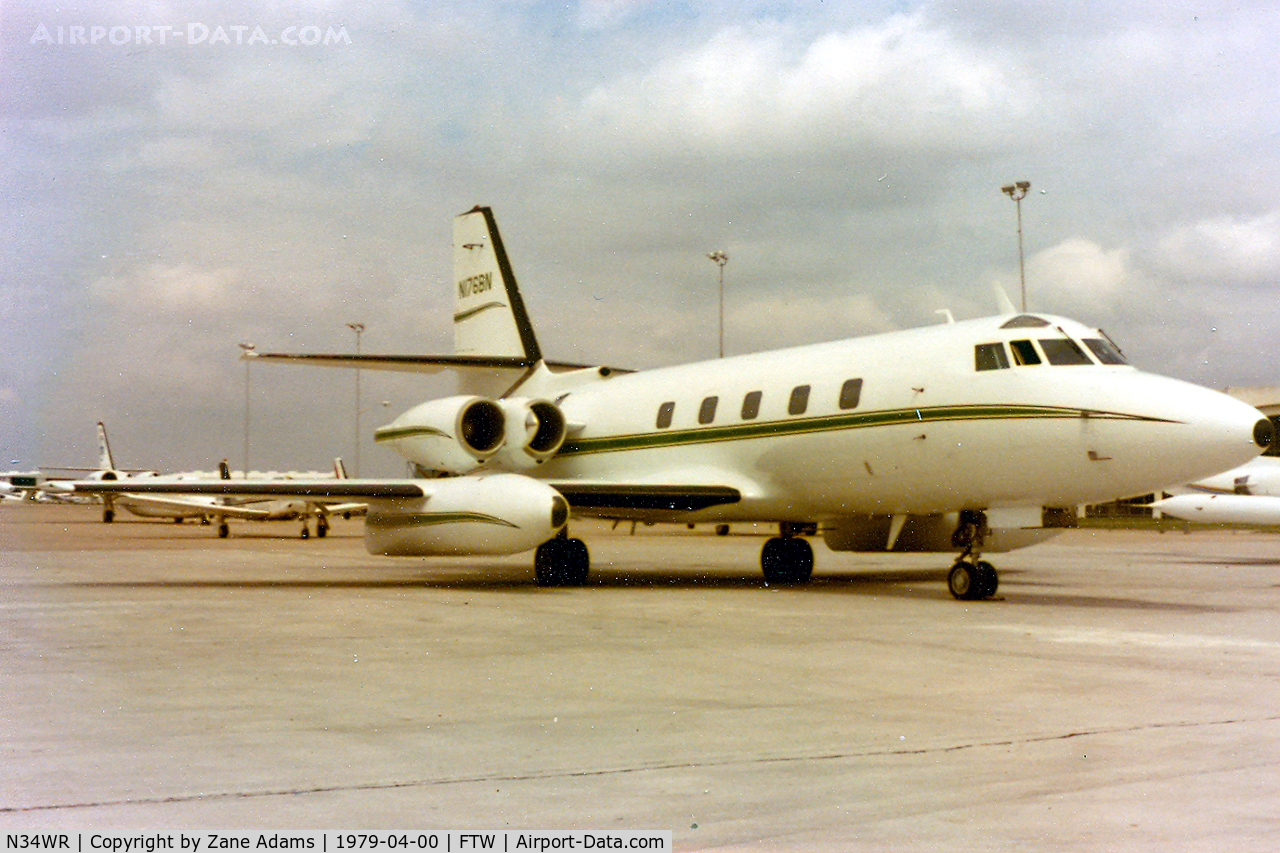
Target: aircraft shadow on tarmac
point(507, 579)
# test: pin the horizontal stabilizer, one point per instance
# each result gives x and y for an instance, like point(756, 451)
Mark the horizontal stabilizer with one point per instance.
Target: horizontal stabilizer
point(408, 363)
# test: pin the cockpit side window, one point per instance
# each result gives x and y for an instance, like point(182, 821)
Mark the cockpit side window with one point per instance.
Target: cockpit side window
point(1104, 351)
point(1063, 351)
point(1024, 352)
point(990, 357)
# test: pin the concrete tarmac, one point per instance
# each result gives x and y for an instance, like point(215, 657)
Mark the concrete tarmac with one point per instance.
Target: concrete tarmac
point(1122, 693)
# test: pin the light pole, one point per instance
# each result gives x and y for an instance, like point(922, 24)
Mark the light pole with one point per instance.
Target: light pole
point(358, 328)
point(245, 350)
point(1018, 191)
point(720, 259)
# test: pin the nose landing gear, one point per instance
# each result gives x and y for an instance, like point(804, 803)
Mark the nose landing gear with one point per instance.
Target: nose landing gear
point(971, 578)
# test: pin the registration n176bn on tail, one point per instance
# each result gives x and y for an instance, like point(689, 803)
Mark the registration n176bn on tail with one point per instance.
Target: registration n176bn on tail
point(968, 437)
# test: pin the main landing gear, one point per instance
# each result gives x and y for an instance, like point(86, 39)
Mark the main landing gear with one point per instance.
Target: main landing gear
point(561, 561)
point(971, 578)
point(787, 559)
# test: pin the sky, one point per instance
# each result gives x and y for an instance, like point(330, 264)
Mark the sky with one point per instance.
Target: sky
point(191, 176)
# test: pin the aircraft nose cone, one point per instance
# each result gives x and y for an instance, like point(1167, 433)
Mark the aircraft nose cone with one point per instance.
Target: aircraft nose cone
point(1264, 432)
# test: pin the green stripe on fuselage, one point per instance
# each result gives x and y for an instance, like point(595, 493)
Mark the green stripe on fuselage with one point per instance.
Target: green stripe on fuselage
point(430, 519)
point(828, 423)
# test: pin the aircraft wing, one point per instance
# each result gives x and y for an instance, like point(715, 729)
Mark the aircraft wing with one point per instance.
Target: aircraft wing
point(600, 499)
point(314, 490)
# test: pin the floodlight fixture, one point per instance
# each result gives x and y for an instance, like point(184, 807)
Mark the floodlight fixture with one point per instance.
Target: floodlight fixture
point(1018, 191)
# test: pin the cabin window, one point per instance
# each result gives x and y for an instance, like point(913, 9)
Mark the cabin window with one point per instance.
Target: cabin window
point(990, 357)
point(799, 400)
point(1106, 353)
point(1024, 352)
point(751, 405)
point(707, 411)
point(1063, 351)
point(665, 413)
point(850, 392)
point(1024, 321)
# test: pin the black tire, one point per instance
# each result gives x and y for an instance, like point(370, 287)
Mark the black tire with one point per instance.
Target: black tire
point(561, 562)
point(224, 530)
point(962, 583)
point(988, 579)
point(786, 561)
point(972, 582)
point(577, 563)
point(108, 516)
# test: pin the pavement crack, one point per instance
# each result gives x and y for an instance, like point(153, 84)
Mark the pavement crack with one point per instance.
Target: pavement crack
point(642, 768)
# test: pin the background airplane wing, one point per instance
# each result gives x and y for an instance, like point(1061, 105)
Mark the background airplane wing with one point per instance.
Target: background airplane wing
point(179, 505)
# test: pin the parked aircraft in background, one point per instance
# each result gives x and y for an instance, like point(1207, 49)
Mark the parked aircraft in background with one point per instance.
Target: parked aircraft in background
point(182, 503)
point(1249, 494)
point(969, 437)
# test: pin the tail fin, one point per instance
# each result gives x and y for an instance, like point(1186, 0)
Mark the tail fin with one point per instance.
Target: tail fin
point(339, 468)
point(224, 471)
point(489, 317)
point(1004, 305)
point(105, 462)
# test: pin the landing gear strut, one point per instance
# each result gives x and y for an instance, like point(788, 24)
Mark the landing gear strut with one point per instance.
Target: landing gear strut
point(561, 561)
point(787, 559)
point(971, 578)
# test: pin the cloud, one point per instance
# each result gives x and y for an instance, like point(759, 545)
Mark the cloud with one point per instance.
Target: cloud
point(171, 291)
point(763, 90)
point(1078, 275)
point(1225, 250)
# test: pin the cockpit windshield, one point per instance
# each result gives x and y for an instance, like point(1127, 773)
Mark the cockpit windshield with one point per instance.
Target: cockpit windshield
point(1104, 351)
point(1052, 351)
point(1063, 351)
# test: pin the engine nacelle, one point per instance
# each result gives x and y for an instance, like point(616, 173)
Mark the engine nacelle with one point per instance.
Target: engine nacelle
point(535, 429)
point(484, 514)
point(454, 435)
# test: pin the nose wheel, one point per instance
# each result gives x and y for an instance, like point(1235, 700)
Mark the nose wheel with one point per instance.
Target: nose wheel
point(971, 578)
point(973, 581)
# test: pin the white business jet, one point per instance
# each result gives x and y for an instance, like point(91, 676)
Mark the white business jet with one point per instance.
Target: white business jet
point(969, 437)
point(1249, 494)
